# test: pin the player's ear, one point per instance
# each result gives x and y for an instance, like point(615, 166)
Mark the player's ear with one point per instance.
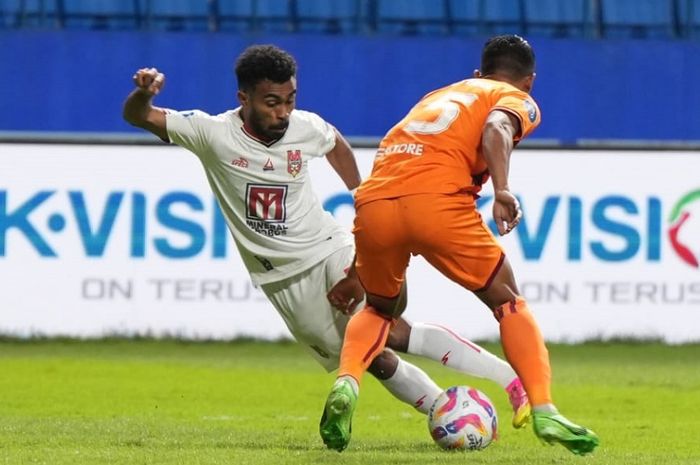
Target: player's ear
point(477, 73)
point(243, 98)
point(530, 82)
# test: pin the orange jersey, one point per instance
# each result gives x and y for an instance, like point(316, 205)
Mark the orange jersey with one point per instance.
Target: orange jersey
point(436, 148)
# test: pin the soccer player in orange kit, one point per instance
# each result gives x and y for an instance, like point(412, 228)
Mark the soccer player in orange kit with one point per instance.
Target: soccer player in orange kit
point(421, 199)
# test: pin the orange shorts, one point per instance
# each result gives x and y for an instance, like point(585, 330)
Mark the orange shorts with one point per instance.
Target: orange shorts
point(446, 229)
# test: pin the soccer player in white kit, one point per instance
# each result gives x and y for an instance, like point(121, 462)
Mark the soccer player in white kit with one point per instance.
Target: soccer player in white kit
point(255, 159)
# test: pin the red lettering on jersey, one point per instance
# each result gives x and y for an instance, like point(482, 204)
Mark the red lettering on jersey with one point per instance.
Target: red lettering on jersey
point(240, 162)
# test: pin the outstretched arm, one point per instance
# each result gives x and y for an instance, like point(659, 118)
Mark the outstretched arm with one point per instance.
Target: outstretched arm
point(496, 145)
point(343, 162)
point(138, 109)
point(347, 293)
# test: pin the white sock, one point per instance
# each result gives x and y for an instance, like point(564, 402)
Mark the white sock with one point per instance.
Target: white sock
point(545, 408)
point(442, 345)
point(413, 386)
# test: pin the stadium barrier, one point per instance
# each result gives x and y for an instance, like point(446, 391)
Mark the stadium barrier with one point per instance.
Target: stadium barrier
point(123, 240)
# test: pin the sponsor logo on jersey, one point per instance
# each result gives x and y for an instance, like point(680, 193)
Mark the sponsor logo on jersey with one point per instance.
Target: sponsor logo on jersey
point(266, 202)
point(266, 209)
point(240, 162)
point(268, 165)
point(294, 162)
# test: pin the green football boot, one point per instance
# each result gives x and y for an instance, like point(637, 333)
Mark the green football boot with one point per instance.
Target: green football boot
point(336, 422)
point(555, 428)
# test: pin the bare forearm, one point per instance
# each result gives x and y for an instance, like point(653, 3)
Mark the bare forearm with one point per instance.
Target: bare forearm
point(496, 146)
point(347, 170)
point(343, 162)
point(137, 107)
point(140, 112)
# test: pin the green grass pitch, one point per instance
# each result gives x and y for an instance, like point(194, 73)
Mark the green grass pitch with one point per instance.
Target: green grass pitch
point(167, 402)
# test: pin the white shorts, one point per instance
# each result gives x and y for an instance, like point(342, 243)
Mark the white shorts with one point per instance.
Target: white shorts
point(301, 302)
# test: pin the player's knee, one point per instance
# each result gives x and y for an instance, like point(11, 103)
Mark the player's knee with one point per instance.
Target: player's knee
point(495, 296)
point(399, 336)
point(391, 307)
point(381, 307)
point(384, 365)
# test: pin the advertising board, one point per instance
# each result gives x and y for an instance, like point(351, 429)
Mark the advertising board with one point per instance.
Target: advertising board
point(121, 240)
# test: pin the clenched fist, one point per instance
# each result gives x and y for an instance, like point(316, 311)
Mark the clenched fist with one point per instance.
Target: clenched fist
point(149, 80)
point(506, 211)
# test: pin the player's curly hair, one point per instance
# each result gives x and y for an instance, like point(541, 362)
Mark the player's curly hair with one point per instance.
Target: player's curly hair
point(260, 62)
point(508, 54)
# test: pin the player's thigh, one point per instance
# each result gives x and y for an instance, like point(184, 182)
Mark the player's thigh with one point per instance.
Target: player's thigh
point(302, 303)
point(448, 231)
point(380, 247)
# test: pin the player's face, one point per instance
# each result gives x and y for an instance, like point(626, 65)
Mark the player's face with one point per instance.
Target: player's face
point(266, 108)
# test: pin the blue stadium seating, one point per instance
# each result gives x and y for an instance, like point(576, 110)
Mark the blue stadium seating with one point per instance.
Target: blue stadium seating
point(265, 15)
point(332, 17)
point(689, 18)
point(556, 18)
point(464, 17)
point(637, 18)
point(235, 16)
point(502, 16)
point(548, 18)
point(411, 17)
point(102, 14)
point(9, 13)
point(29, 13)
point(178, 15)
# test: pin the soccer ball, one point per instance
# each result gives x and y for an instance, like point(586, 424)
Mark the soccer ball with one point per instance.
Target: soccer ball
point(463, 418)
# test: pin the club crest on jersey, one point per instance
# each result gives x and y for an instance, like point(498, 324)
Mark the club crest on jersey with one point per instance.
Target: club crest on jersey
point(294, 162)
point(268, 165)
point(240, 162)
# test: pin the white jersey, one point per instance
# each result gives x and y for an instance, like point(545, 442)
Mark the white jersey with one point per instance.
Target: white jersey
point(264, 190)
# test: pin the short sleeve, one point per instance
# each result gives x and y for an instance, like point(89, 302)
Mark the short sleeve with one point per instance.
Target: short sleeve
point(189, 129)
point(322, 132)
point(524, 108)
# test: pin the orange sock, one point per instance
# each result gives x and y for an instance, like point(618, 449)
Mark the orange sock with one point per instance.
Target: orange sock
point(365, 338)
point(524, 348)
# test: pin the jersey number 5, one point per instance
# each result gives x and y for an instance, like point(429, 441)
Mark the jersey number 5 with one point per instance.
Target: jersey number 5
point(449, 105)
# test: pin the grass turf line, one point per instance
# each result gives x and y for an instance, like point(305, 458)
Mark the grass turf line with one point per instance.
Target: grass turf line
point(151, 402)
